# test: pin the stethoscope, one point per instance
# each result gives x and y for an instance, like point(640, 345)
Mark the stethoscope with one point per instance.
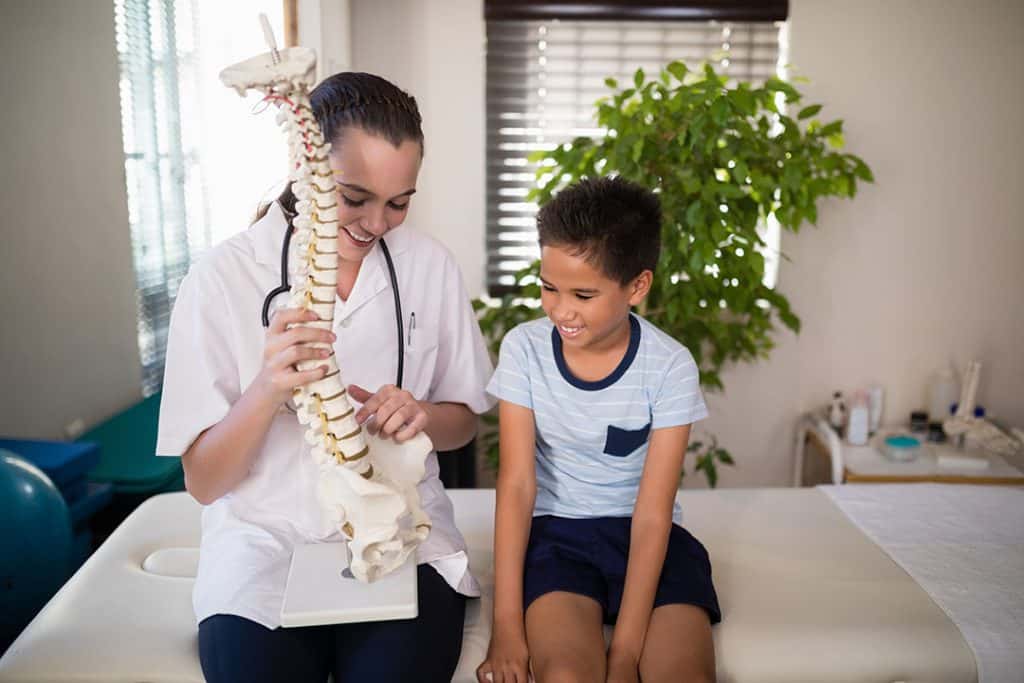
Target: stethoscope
point(284, 287)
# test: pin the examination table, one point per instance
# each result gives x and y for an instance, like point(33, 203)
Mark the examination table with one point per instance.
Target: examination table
point(805, 596)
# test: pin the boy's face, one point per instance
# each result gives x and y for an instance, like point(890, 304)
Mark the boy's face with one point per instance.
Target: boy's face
point(587, 307)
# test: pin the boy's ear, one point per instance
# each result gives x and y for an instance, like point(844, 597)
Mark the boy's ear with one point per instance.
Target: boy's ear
point(639, 287)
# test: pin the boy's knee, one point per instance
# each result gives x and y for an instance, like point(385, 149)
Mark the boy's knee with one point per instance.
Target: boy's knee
point(668, 671)
point(566, 671)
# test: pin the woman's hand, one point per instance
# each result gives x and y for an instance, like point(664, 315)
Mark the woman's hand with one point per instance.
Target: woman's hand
point(622, 668)
point(283, 348)
point(508, 660)
point(394, 411)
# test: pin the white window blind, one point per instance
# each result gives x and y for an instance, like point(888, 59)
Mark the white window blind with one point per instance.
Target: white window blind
point(197, 159)
point(543, 77)
point(156, 51)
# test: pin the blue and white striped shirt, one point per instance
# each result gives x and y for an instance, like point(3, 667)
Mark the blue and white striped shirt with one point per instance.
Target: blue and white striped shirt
point(591, 437)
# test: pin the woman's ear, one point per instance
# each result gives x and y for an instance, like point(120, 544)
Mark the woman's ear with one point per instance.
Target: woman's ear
point(639, 287)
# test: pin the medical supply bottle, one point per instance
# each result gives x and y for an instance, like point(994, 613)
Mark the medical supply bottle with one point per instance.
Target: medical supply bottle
point(943, 392)
point(876, 397)
point(857, 427)
point(837, 412)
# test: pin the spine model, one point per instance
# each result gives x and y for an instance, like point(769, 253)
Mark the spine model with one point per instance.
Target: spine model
point(376, 509)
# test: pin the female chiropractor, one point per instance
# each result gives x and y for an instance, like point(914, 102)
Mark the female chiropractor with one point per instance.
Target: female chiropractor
point(225, 406)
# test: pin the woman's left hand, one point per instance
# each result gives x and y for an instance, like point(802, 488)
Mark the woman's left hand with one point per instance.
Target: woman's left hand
point(395, 412)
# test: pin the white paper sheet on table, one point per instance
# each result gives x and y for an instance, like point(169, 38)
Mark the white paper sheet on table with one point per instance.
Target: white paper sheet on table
point(964, 545)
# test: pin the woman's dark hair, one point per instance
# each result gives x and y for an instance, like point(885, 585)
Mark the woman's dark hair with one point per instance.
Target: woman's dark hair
point(613, 223)
point(359, 100)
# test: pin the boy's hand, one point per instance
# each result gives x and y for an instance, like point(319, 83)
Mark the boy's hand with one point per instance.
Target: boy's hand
point(508, 660)
point(622, 668)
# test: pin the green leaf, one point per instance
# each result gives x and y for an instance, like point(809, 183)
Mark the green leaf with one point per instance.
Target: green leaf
point(693, 214)
point(831, 129)
point(691, 185)
point(638, 78)
point(790, 320)
point(696, 264)
point(720, 110)
point(677, 69)
point(611, 83)
point(808, 112)
point(861, 170)
point(638, 149)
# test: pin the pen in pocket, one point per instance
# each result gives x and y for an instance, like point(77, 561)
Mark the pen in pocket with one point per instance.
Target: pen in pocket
point(412, 326)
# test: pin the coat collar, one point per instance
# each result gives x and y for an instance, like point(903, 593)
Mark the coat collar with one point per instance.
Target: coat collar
point(267, 235)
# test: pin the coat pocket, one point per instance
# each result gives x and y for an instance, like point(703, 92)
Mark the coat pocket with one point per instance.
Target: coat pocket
point(621, 442)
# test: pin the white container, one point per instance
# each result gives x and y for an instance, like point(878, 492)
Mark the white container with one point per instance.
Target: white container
point(943, 392)
point(857, 425)
point(875, 401)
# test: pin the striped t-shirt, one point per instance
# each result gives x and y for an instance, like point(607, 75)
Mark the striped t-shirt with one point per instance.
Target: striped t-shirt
point(591, 437)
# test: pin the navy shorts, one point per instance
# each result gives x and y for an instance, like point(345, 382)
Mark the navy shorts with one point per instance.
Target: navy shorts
point(589, 556)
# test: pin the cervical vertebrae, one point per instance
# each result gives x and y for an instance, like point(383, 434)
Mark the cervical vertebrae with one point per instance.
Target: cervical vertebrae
point(367, 485)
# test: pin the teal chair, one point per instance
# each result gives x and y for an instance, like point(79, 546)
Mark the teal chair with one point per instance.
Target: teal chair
point(128, 452)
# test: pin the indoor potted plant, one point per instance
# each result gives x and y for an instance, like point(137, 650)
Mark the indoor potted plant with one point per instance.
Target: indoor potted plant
point(724, 159)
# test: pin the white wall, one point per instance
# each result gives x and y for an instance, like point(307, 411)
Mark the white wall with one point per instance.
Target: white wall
point(923, 267)
point(67, 314)
point(435, 51)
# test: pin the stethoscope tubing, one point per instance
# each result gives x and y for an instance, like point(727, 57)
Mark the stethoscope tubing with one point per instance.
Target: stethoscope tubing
point(284, 287)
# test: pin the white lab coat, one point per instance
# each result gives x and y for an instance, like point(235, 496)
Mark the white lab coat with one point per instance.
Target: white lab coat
point(214, 351)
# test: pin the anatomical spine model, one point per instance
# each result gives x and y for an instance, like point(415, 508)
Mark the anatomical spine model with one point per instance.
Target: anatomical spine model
point(367, 485)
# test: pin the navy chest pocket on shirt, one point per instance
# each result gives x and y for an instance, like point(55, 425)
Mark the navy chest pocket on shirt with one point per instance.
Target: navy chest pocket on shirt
point(621, 442)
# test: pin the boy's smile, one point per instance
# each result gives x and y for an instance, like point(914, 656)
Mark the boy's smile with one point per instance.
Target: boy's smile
point(589, 309)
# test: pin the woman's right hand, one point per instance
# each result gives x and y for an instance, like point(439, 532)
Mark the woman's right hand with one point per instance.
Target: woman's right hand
point(508, 659)
point(284, 347)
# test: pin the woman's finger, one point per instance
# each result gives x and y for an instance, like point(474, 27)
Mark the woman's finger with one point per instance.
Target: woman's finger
point(306, 335)
point(393, 404)
point(358, 393)
point(277, 342)
point(372, 404)
point(289, 316)
point(411, 429)
point(396, 421)
point(298, 379)
point(295, 354)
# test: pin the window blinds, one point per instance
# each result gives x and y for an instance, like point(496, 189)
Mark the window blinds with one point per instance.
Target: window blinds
point(543, 77)
point(156, 47)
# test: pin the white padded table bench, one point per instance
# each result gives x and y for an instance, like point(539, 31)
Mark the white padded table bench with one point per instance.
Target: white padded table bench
point(805, 596)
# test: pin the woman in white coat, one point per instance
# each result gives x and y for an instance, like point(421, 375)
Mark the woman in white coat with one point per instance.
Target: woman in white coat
point(227, 383)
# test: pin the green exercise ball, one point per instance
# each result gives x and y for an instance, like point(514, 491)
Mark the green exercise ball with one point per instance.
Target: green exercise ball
point(35, 543)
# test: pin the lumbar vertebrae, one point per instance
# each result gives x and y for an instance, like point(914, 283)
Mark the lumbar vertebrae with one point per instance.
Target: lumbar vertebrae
point(367, 485)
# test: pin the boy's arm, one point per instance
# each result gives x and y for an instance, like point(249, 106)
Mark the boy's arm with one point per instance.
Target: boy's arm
point(516, 492)
point(652, 521)
point(507, 657)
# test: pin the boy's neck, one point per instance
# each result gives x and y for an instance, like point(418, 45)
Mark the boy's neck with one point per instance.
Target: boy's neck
point(594, 362)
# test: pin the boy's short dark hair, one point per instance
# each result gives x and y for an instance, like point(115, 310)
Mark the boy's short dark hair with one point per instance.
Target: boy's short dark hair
point(613, 223)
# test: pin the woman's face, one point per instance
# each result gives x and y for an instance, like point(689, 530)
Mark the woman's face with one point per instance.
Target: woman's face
point(376, 181)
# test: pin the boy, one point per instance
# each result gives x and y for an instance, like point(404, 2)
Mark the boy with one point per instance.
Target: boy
point(595, 412)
